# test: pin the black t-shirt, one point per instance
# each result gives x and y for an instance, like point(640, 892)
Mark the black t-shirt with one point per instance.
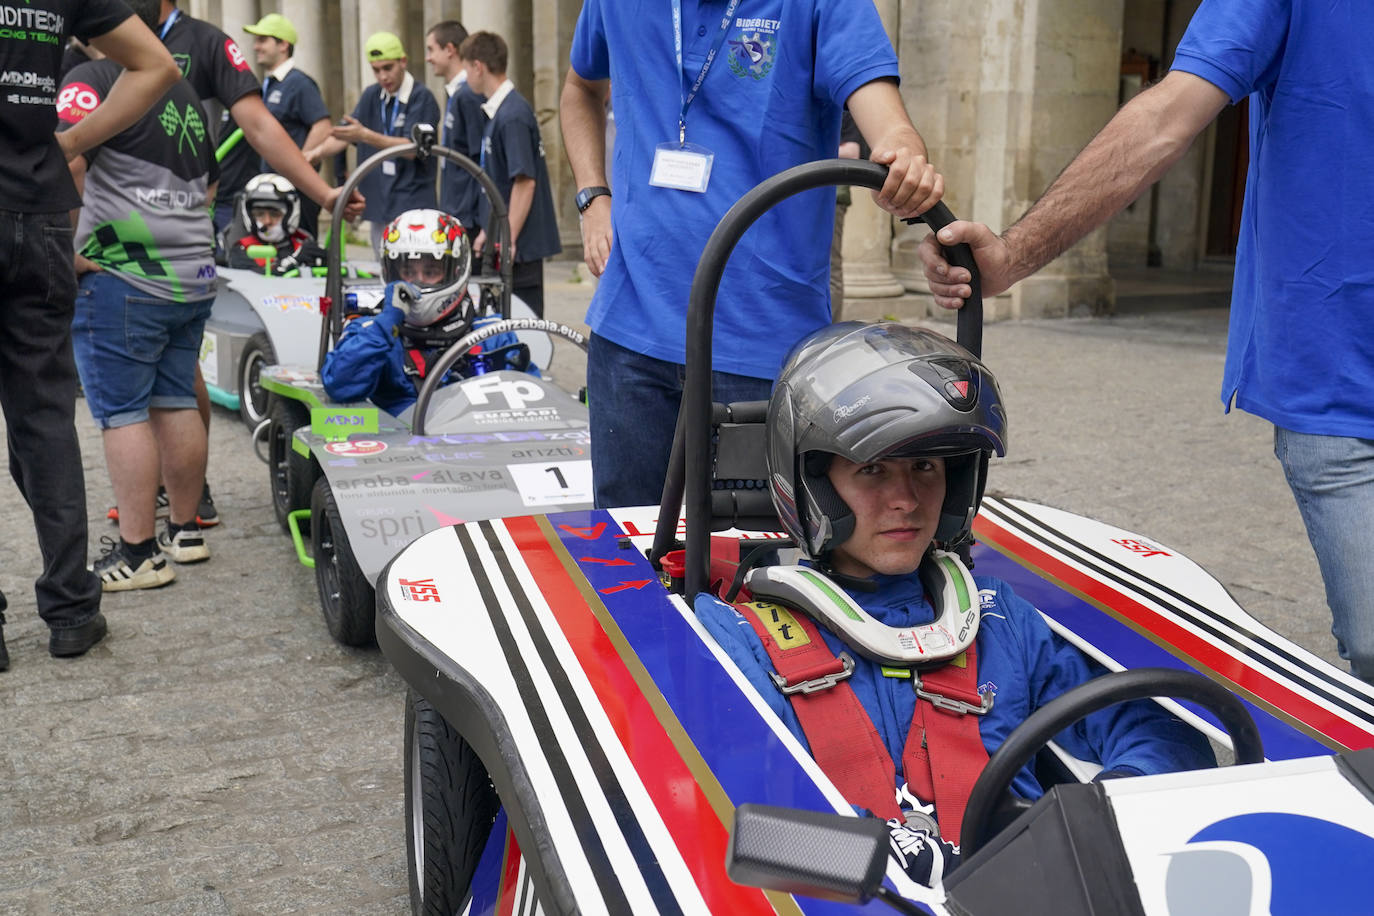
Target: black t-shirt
point(33, 36)
point(512, 148)
point(210, 60)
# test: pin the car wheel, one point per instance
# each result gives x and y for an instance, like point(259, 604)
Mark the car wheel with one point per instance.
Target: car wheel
point(450, 807)
point(253, 398)
point(346, 597)
point(289, 474)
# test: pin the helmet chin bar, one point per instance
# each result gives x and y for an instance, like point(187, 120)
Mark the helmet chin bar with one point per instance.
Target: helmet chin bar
point(948, 582)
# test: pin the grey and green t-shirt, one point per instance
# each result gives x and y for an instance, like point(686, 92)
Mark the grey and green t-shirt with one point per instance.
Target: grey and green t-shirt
point(145, 207)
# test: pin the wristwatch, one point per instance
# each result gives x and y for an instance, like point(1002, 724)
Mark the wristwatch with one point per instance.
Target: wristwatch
point(587, 195)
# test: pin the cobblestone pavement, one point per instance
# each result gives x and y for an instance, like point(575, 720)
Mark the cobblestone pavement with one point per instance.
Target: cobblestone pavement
point(217, 753)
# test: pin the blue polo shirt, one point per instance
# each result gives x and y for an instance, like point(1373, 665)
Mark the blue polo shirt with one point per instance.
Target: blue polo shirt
point(464, 123)
point(296, 102)
point(771, 100)
point(412, 186)
point(511, 149)
point(1301, 346)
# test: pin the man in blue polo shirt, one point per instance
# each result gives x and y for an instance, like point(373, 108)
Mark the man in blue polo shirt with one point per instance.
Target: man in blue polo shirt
point(513, 155)
point(752, 93)
point(464, 121)
point(383, 118)
point(1299, 352)
point(293, 98)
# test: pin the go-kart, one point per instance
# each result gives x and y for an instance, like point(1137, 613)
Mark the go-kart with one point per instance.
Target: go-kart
point(575, 741)
point(364, 484)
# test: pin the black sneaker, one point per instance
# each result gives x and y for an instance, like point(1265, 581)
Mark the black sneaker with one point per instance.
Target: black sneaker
point(119, 572)
point(4, 653)
point(206, 516)
point(187, 545)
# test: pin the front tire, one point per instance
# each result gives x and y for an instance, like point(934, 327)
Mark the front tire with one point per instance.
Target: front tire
point(346, 597)
point(289, 474)
point(450, 807)
point(253, 398)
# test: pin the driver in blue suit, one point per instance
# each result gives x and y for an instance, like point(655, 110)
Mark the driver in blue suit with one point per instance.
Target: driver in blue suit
point(426, 263)
point(879, 439)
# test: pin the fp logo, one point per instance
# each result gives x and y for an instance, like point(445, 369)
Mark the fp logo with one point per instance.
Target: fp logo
point(419, 590)
point(517, 394)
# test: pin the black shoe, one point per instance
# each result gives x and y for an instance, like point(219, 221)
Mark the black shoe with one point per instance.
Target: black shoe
point(206, 516)
point(4, 653)
point(73, 641)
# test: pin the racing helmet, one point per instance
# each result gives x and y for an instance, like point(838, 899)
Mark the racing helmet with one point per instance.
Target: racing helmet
point(430, 250)
point(870, 391)
point(272, 192)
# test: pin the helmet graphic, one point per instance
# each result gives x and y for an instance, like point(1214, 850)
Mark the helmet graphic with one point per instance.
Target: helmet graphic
point(269, 192)
point(430, 250)
point(871, 391)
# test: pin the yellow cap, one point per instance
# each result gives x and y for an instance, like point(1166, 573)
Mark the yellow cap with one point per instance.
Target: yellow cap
point(384, 46)
point(274, 25)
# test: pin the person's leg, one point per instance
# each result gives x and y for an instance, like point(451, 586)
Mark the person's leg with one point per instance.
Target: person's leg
point(527, 282)
point(38, 397)
point(837, 263)
point(131, 458)
point(1332, 479)
point(182, 445)
point(633, 400)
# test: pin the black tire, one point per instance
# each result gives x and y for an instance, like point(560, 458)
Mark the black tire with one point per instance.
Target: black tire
point(450, 807)
point(253, 399)
point(289, 475)
point(346, 597)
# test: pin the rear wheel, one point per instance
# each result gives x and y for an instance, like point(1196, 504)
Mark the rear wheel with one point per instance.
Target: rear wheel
point(346, 597)
point(450, 807)
point(289, 473)
point(253, 398)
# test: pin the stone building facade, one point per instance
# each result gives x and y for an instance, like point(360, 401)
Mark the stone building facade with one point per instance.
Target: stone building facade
point(1005, 92)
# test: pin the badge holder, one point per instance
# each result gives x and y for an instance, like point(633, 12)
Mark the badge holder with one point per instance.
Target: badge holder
point(682, 167)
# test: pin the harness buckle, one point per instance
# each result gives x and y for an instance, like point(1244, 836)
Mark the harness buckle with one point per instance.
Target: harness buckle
point(816, 684)
point(950, 704)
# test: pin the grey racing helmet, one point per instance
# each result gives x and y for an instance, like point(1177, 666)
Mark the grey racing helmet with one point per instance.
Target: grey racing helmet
point(870, 391)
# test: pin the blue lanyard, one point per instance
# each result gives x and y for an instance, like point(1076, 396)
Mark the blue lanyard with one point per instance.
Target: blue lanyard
point(687, 97)
point(395, 110)
point(167, 26)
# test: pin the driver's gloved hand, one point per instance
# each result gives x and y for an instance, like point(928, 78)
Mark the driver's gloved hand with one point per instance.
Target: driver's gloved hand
point(924, 857)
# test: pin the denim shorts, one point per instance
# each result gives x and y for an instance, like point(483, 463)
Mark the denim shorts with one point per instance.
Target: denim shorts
point(135, 351)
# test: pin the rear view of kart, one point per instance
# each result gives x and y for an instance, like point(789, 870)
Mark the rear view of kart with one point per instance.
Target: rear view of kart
point(353, 484)
point(577, 742)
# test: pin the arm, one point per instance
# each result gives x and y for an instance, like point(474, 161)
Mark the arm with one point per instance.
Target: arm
point(912, 186)
point(355, 369)
point(149, 71)
point(582, 111)
point(77, 166)
point(1147, 136)
point(325, 149)
point(270, 139)
point(521, 199)
point(318, 134)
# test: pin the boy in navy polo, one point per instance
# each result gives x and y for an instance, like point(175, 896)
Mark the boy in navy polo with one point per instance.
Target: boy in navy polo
point(383, 118)
point(513, 155)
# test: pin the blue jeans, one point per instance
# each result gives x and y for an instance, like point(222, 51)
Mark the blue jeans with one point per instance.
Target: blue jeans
point(634, 401)
point(1332, 479)
point(38, 395)
point(134, 350)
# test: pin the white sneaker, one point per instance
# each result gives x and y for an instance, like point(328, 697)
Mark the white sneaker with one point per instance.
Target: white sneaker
point(118, 572)
point(186, 546)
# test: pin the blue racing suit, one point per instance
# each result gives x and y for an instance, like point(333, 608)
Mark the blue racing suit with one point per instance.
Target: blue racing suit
point(368, 362)
point(1020, 661)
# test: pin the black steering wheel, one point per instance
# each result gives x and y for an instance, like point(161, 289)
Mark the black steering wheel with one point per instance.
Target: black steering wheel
point(1118, 687)
point(463, 345)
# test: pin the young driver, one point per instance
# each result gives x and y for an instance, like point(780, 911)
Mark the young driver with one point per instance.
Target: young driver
point(269, 210)
point(878, 442)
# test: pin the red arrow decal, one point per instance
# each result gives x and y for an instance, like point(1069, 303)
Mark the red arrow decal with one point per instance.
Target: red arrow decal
point(587, 534)
point(614, 561)
point(640, 583)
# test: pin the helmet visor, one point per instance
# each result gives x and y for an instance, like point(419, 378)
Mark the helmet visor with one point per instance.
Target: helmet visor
point(426, 271)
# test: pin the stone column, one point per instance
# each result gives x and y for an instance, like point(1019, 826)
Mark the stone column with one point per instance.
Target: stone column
point(867, 227)
point(316, 45)
point(234, 15)
point(552, 31)
point(510, 19)
point(382, 17)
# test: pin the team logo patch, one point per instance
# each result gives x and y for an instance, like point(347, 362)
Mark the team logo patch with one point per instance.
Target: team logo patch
point(236, 58)
point(187, 127)
point(76, 101)
point(754, 49)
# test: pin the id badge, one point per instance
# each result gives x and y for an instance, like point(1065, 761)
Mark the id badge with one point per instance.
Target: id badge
point(389, 167)
point(681, 166)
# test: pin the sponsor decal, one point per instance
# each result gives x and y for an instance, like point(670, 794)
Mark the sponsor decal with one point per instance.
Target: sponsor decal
point(848, 410)
point(355, 448)
point(1144, 548)
point(235, 55)
point(518, 394)
point(27, 24)
point(419, 590)
point(467, 480)
point(569, 435)
point(755, 47)
point(76, 101)
point(27, 79)
point(780, 622)
point(401, 529)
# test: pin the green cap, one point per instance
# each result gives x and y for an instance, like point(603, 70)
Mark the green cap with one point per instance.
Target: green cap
point(384, 46)
point(274, 25)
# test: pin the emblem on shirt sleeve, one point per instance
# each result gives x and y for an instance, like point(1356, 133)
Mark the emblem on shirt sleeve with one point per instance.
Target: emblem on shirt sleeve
point(75, 101)
point(236, 58)
point(754, 49)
